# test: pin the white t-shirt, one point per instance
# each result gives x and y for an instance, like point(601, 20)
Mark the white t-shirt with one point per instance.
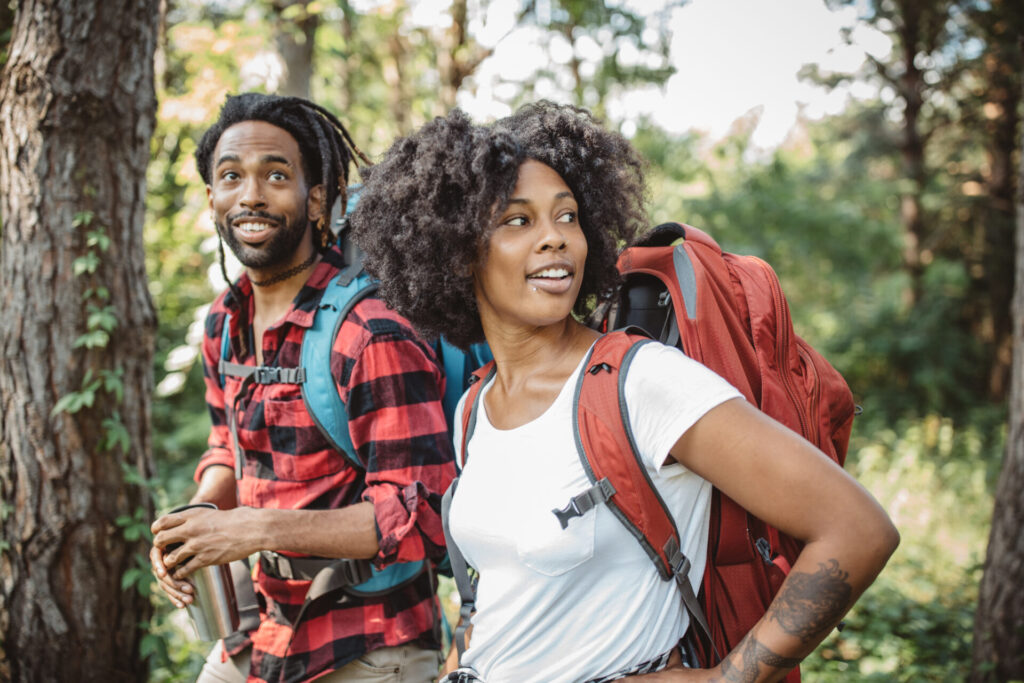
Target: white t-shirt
point(558, 605)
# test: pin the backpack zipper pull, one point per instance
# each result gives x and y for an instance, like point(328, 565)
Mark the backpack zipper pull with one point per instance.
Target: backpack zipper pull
point(599, 367)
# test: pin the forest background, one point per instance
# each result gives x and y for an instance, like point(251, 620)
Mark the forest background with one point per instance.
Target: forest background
point(890, 223)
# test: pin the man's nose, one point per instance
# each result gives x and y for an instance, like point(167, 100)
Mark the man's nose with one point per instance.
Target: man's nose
point(252, 194)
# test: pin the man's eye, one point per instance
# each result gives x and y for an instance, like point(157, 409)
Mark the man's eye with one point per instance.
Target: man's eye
point(278, 175)
point(229, 175)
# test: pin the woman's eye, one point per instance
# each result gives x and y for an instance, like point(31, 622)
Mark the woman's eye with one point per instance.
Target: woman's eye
point(516, 221)
point(567, 217)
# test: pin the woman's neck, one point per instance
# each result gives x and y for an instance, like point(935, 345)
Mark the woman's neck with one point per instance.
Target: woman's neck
point(545, 355)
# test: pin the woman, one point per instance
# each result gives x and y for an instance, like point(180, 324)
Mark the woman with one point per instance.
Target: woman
point(504, 233)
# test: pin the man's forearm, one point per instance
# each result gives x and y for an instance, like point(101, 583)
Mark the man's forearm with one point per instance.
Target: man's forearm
point(217, 486)
point(347, 532)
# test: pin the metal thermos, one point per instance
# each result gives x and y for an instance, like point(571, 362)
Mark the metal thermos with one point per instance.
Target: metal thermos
point(214, 607)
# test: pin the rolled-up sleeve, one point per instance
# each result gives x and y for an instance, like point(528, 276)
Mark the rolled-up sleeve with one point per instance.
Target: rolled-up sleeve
point(392, 389)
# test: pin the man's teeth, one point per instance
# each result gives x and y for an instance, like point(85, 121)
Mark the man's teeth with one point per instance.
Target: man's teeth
point(251, 227)
point(552, 273)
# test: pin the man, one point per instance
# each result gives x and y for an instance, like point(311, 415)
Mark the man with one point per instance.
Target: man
point(273, 168)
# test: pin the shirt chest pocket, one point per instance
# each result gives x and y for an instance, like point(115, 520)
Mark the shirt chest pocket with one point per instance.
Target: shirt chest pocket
point(544, 546)
point(297, 449)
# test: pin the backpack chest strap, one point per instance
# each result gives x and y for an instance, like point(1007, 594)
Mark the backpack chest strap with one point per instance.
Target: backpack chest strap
point(262, 374)
point(580, 504)
point(252, 374)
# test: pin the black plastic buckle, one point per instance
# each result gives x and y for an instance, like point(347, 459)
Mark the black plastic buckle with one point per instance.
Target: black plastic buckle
point(267, 375)
point(568, 512)
point(356, 571)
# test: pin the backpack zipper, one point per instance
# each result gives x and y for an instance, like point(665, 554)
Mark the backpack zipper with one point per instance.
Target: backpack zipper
point(782, 314)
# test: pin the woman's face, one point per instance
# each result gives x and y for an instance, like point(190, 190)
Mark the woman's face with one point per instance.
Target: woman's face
point(532, 269)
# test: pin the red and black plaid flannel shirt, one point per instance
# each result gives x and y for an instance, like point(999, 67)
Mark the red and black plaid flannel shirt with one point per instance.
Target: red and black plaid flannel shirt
point(391, 384)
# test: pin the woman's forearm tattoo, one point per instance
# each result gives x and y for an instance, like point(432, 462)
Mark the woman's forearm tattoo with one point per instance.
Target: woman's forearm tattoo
point(744, 664)
point(806, 607)
point(810, 604)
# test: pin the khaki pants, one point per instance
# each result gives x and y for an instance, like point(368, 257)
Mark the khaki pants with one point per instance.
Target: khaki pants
point(402, 664)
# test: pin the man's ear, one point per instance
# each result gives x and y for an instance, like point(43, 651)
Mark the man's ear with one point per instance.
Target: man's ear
point(315, 203)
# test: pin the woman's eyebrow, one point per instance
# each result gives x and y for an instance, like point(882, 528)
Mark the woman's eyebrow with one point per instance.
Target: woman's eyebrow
point(561, 195)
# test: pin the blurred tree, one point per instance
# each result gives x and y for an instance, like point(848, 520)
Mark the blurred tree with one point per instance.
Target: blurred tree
point(947, 117)
point(610, 49)
point(295, 23)
point(999, 621)
point(76, 108)
point(990, 106)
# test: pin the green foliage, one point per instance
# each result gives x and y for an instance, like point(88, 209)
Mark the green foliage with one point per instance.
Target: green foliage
point(936, 480)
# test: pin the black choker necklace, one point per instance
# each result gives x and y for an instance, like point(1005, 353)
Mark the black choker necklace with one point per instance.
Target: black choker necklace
point(286, 274)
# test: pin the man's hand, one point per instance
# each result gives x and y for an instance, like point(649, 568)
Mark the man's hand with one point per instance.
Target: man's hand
point(200, 537)
point(180, 592)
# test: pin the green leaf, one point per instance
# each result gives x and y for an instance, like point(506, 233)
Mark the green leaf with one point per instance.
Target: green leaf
point(102, 318)
point(82, 218)
point(97, 339)
point(70, 404)
point(113, 384)
point(129, 578)
point(86, 264)
point(100, 239)
point(116, 435)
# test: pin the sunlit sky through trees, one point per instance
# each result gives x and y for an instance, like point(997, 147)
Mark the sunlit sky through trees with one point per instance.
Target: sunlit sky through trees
point(730, 56)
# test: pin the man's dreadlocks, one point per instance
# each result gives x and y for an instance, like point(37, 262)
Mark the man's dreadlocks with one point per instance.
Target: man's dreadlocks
point(325, 145)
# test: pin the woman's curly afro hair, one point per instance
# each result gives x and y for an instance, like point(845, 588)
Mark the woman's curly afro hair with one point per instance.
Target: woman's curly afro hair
point(426, 211)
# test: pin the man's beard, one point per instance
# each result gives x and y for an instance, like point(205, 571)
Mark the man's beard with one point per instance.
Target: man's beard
point(277, 250)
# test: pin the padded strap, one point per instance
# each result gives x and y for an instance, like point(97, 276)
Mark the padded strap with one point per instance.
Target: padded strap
point(307, 568)
point(581, 504)
point(245, 596)
point(460, 572)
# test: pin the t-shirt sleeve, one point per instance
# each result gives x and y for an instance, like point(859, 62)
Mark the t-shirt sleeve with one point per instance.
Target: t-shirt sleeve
point(666, 393)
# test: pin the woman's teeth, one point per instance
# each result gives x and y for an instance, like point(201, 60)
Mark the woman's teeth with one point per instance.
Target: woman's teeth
point(552, 273)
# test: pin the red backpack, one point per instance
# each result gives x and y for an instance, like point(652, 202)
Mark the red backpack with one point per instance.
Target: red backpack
point(728, 312)
point(735, 320)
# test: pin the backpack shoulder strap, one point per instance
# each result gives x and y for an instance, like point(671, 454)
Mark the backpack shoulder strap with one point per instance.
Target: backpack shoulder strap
point(608, 453)
point(225, 348)
point(458, 366)
point(319, 392)
point(479, 378)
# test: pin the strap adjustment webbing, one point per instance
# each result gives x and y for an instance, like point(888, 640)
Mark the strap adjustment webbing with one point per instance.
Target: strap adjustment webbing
point(580, 504)
point(680, 567)
point(262, 374)
point(460, 572)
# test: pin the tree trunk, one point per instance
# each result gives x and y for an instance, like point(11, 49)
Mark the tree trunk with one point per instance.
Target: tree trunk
point(295, 33)
point(77, 111)
point(999, 623)
point(912, 150)
point(994, 288)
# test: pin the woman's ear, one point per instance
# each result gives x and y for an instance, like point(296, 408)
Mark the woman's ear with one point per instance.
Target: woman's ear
point(315, 203)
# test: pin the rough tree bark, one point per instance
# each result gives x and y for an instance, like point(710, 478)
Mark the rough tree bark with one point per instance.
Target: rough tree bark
point(295, 33)
point(999, 622)
point(77, 108)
